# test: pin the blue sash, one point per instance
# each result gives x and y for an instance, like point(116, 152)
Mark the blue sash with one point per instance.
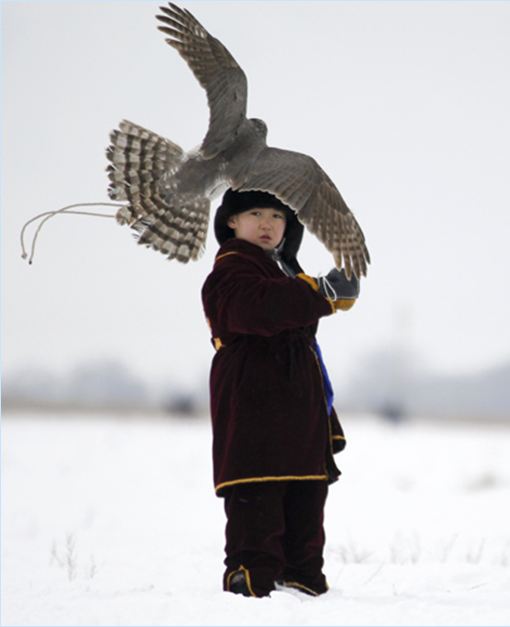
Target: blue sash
point(328, 388)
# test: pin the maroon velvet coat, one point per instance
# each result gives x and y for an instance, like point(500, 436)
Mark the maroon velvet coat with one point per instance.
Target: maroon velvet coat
point(269, 413)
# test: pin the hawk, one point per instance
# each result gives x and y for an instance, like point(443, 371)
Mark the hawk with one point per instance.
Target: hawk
point(169, 191)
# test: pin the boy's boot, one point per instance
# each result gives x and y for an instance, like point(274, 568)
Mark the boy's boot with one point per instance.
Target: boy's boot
point(247, 582)
point(312, 586)
point(238, 584)
point(240, 581)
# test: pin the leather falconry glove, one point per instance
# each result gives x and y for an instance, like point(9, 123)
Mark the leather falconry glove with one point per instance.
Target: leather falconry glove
point(340, 291)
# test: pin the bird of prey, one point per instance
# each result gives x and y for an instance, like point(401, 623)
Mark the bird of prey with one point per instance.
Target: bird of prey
point(168, 191)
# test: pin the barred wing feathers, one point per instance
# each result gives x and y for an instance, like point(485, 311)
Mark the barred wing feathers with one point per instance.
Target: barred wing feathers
point(217, 72)
point(298, 181)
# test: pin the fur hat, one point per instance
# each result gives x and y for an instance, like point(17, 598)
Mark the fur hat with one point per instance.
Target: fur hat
point(236, 202)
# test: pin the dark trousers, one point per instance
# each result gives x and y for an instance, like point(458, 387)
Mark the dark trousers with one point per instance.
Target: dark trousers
point(275, 533)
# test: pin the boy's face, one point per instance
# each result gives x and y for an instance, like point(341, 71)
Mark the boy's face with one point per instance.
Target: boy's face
point(262, 227)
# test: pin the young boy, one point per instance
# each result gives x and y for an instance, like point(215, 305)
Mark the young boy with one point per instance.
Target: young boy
point(274, 427)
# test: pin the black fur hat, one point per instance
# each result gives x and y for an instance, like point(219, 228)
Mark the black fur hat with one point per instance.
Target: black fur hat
point(236, 202)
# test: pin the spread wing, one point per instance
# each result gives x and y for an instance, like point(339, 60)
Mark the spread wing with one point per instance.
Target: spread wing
point(298, 181)
point(215, 69)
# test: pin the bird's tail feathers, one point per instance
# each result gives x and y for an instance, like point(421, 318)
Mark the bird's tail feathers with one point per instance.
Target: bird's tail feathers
point(138, 160)
point(179, 233)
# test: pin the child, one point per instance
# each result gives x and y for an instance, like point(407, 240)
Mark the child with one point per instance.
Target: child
point(274, 427)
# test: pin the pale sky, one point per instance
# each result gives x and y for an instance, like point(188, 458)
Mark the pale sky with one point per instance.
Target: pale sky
point(404, 104)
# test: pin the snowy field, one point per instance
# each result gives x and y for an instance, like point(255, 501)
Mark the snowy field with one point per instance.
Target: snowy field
point(110, 521)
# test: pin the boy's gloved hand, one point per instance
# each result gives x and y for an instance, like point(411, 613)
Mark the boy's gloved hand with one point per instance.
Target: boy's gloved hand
point(335, 286)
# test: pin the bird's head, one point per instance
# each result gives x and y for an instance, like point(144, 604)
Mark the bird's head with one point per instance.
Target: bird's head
point(259, 126)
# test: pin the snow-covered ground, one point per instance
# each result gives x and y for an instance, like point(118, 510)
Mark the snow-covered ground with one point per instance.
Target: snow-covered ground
point(111, 521)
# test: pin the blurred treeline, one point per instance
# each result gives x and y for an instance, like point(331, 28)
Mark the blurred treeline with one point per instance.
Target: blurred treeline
point(391, 383)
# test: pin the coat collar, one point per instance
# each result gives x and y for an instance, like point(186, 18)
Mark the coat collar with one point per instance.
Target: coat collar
point(246, 249)
point(242, 246)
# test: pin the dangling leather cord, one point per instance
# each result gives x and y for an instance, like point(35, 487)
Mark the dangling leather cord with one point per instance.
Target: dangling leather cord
point(46, 215)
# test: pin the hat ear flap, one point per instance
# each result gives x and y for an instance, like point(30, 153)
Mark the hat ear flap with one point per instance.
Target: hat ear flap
point(229, 207)
point(292, 242)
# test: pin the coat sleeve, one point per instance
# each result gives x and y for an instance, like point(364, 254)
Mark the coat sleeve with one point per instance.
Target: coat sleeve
point(238, 299)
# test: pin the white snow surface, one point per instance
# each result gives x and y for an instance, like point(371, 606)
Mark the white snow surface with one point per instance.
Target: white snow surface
point(113, 521)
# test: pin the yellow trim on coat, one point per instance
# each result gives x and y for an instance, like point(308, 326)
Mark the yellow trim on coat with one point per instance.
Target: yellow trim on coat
point(231, 252)
point(337, 437)
point(280, 478)
point(247, 578)
point(217, 343)
point(308, 279)
point(312, 282)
